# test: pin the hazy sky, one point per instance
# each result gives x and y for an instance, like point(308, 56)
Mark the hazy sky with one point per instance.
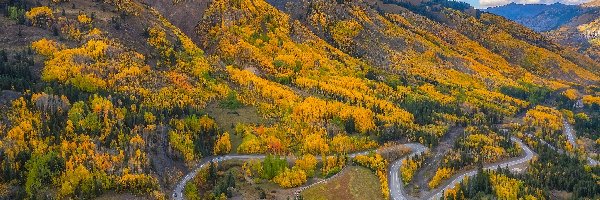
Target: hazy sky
point(488, 3)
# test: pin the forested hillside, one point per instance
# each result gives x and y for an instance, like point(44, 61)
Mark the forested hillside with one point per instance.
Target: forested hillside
point(121, 99)
point(574, 26)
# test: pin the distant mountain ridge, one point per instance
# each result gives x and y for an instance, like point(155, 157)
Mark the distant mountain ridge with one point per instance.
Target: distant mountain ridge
point(595, 3)
point(575, 26)
point(539, 17)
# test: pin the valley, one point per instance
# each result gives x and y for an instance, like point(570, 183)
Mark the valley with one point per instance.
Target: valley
point(309, 99)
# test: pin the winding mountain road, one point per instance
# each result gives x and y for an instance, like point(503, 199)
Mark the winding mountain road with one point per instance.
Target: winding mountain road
point(568, 130)
point(396, 185)
point(300, 189)
point(397, 188)
point(439, 192)
point(178, 192)
point(398, 193)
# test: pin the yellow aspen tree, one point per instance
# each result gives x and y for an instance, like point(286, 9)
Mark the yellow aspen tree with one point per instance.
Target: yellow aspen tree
point(223, 144)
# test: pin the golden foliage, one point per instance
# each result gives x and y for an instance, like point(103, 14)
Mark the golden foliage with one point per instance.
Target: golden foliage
point(354, 91)
point(489, 151)
point(344, 31)
point(307, 163)
point(101, 64)
point(408, 169)
point(84, 19)
point(261, 89)
point(251, 144)
point(505, 187)
point(290, 178)
point(544, 120)
point(315, 111)
point(141, 183)
point(591, 100)
point(185, 131)
point(376, 163)
point(182, 143)
point(45, 47)
point(315, 143)
point(440, 175)
point(333, 164)
point(341, 144)
point(570, 94)
point(40, 16)
point(222, 145)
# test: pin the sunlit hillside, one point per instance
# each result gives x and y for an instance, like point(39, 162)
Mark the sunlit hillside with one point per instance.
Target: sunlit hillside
point(266, 99)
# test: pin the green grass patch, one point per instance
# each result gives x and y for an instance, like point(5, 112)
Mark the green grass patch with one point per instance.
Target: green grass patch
point(231, 102)
point(355, 183)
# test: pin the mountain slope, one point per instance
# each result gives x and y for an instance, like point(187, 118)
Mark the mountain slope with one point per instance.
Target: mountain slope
point(525, 41)
point(594, 3)
point(570, 25)
point(539, 17)
point(581, 33)
point(126, 95)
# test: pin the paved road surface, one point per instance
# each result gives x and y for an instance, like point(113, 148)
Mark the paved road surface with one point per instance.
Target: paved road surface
point(178, 192)
point(350, 156)
point(568, 130)
point(507, 164)
point(395, 183)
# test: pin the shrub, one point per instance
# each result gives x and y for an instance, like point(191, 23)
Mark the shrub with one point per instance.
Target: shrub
point(272, 166)
point(440, 174)
point(290, 178)
point(223, 144)
point(40, 16)
point(16, 13)
point(137, 183)
point(307, 163)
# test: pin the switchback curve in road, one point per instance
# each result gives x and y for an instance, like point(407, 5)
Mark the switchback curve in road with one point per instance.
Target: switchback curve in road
point(568, 130)
point(178, 191)
point(439, 192)
point(395, 183)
